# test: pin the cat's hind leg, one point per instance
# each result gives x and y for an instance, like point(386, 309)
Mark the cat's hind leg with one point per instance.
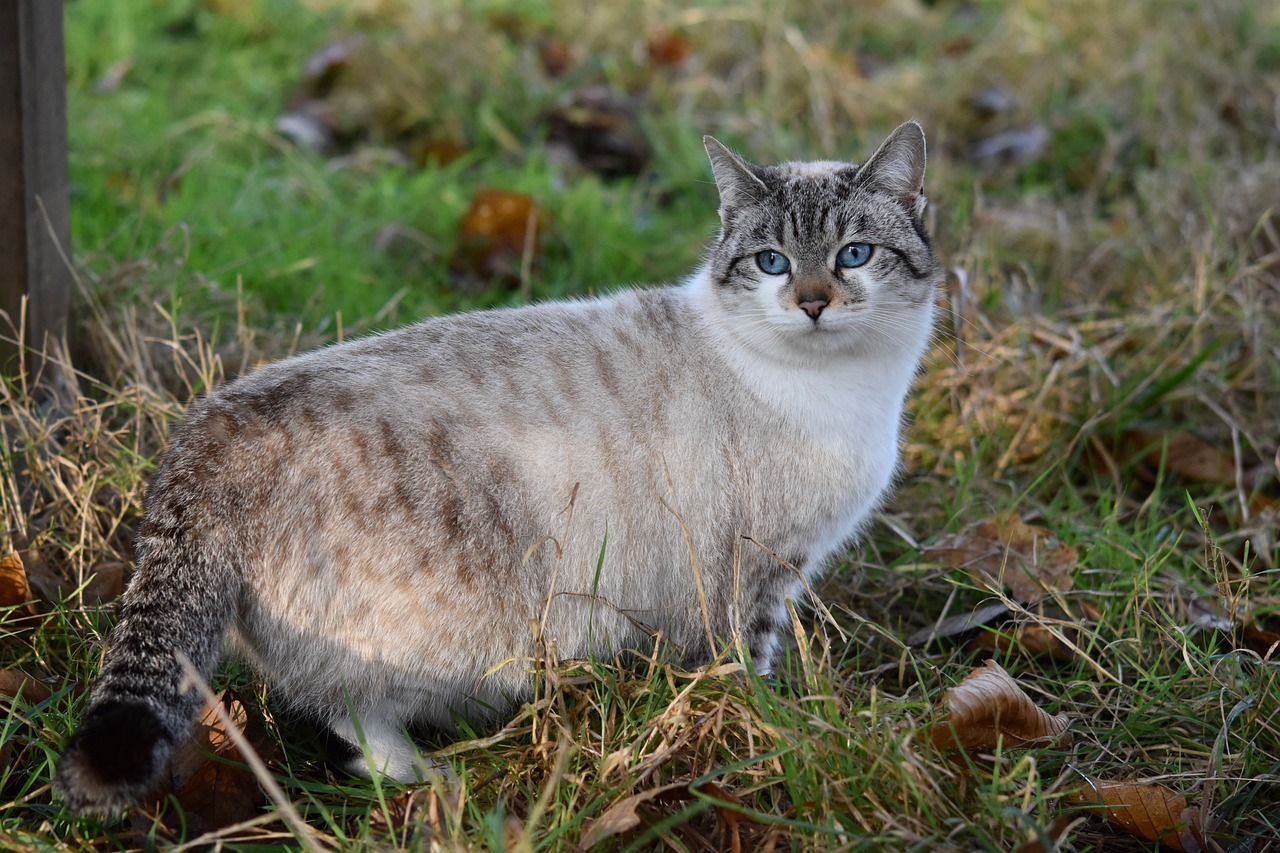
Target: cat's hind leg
point(376, 742)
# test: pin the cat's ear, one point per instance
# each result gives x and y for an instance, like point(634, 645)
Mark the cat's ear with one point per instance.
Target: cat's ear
point(897, 167)
point(737, 184)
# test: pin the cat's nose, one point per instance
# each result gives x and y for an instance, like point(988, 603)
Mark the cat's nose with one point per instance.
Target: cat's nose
point(813, 307)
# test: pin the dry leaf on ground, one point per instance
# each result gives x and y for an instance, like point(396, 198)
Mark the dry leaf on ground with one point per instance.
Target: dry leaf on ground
point(13, 683)
point(1047, 840)
point(599, 128)
point(14, 591)
point(1003, 632)
point(1034, 639)
point(668, 48)
point(1029, 560)
point(1262, 641)
point(1184, 454)
point(989, 708)
point(106, 583)
point(629, 813)
point(1148, 811)
point(1238, 626)
point(213, 792)
point(497, 236)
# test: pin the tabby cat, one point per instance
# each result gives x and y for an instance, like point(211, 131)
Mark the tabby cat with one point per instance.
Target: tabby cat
point(395, 526)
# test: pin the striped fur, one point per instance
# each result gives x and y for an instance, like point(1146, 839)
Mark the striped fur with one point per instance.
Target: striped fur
point(395, 524)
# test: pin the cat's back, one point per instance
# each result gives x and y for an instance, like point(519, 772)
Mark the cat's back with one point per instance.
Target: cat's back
point(555, 358)
point(493, 396)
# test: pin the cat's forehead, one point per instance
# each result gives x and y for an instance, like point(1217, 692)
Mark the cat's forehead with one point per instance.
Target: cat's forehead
point(814, 170)
point(830, 178)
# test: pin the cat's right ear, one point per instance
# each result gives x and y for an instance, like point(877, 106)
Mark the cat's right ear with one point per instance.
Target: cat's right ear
point(737, 184)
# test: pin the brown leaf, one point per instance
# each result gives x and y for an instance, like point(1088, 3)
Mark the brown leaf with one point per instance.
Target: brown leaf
point(1053, 833)
point(46, 583)
point(1147, 811)
point(1210, 614)
point(623, 815)
point(599, 128)
point(1029, 638)
point(105, 583)
point(1184, 454)
point(626, 814)
point(495, 235)
point(14, 591)
point(668, 48)
point(555, 56)
point(1265, 643)
point(426, 150)
point(14, 683)
point(989, 708)
point(214, 793)
point(1028, 559)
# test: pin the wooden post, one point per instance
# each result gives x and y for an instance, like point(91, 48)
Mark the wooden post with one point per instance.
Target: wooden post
point(35, 207)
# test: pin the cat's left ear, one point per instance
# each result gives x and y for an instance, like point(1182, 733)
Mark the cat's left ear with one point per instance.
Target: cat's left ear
point(897, 168)
point(738, 185)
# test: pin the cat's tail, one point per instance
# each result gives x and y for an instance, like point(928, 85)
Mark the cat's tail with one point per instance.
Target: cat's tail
point(182, 599)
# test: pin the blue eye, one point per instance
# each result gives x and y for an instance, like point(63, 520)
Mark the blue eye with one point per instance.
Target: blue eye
point(773, 263)
point(853, 255)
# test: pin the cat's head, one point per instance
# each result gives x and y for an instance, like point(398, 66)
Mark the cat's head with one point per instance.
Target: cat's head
point(826, 254)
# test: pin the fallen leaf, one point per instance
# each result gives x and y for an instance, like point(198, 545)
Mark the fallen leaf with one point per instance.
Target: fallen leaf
point(106, 582)
point(47, 584)
point(599, 129)
point(14, 591)
point(14, 684)
point(427, 150)
point(323, 68)
point(1029, 560)
point(309, 125)
point(1052, 834)
point(496, 236)
point(1184, 454)
point(398, 812)
point(555, 56)
point(1265, 643)
point(1148, 811)
point(989, 708)
point(1029, 638)
point(213, 791)
point(626, 814)
point(623, 815)
point(668, 48)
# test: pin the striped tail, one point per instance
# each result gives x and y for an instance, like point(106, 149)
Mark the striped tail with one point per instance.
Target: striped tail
point(182, 598)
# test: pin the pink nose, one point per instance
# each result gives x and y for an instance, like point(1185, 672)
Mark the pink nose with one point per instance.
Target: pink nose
point(814, 307)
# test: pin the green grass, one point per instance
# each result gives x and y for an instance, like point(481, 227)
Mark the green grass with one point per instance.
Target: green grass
point(1125, 276)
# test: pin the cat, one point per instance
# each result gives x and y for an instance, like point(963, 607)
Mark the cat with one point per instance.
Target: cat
point(394, 526)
